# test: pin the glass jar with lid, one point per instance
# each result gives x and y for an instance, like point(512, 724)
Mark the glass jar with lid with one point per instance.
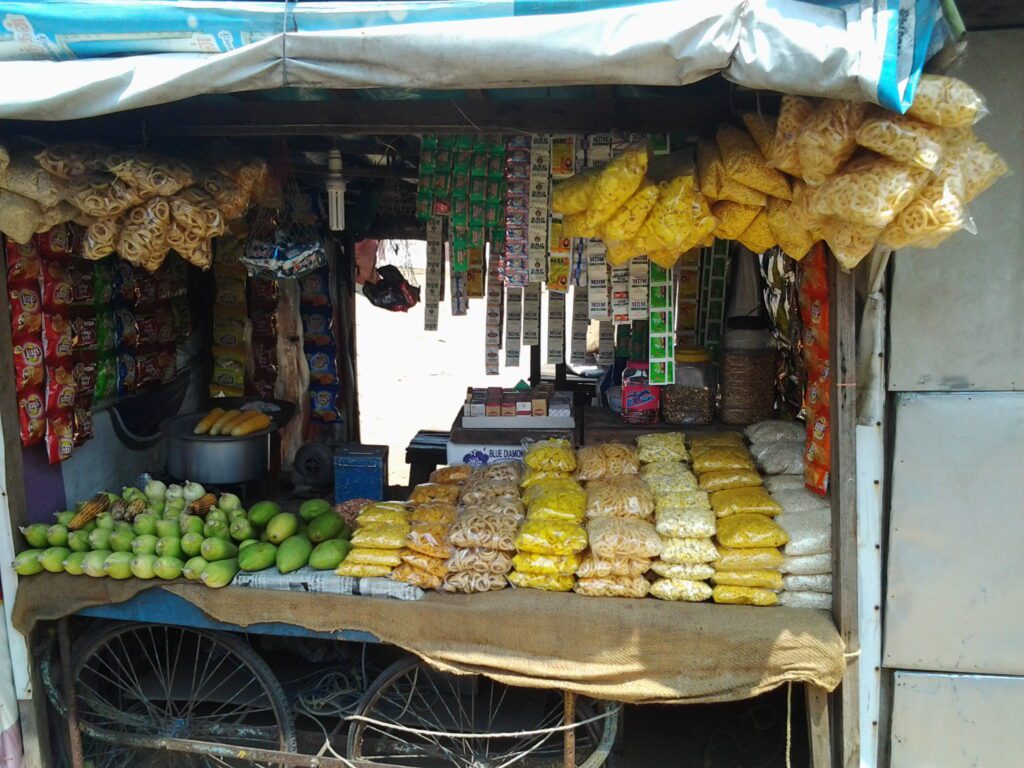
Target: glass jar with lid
point(691, 400)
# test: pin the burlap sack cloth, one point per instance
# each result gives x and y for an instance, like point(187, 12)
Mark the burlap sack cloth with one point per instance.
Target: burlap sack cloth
point(638, 651)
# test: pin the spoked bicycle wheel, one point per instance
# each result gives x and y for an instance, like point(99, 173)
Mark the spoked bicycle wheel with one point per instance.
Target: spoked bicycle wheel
point(415, 716)
point(156, 681)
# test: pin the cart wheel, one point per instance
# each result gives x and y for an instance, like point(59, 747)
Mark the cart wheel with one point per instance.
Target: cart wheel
point(410, 695)
point(163, 681)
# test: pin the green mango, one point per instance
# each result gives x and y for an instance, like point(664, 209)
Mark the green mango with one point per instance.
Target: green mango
point(168, 529)
point(190, 524)
point(105, 520)
point(237, 514)
point(169, 546)
point(194, 568)
point(263, 512)
point(264, 536)
point(220, 573)
point(27, 562)
point(65, 518)
point(78, 541)
point(257, 557)
point(217, 516)
point(215, 548)
point(142, 566)
point(118, 565)
point(312, 508)
point(121, 540)
point(243, 544)
point(324, 527)
point(100, 539)
point(145, 544)
point(216, 530)
point(241, 529)
point(328, 554)
point(35, 535)
point(145, 524)
point(168, 567)
point(94, 561)
point(293, 553)
point(282, 526)
point(73, 563)
point(191, 543)
point(57, 535)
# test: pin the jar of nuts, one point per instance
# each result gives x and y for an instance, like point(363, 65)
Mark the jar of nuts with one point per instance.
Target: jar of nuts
point(691, 400)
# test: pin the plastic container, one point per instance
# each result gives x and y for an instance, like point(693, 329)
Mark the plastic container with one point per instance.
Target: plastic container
point(691, 400)
point(746, 371)
point(640, 400)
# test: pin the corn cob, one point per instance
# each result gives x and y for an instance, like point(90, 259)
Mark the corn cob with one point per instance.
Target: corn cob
point(252, 424)
point(202, 505)
point(97, 504)
point(118, 508)
point(218, 425)
point(208, 421)
point(227, 426)
point(135, 507)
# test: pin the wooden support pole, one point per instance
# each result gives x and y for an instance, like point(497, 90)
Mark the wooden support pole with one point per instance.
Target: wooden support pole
point(570, 733)
point(818, 730)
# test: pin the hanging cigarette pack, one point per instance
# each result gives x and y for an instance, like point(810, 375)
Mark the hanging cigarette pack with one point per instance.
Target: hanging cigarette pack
point(597, 281)
point(434, 277)
point(513, 324)
point(556, 328)
point(661, 336)
point(531, 315)
point(492, 335)
point(580, 322)
point(620, 278)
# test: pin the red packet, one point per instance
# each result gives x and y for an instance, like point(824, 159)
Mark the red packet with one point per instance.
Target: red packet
point(23, 262)
point(60, 391)
point(60, 438)
point(26, 309)
point(31, 414)
point(28, 364)
point(58, 343)
point(58, 293)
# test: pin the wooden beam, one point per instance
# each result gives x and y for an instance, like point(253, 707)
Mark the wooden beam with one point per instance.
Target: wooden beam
point(843, 485)
point(818, 730)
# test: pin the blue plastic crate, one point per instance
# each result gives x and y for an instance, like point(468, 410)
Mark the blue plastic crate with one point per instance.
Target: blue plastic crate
point(360, 471)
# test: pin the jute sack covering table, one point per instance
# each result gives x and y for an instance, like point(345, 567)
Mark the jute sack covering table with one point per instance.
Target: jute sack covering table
point(637, 651)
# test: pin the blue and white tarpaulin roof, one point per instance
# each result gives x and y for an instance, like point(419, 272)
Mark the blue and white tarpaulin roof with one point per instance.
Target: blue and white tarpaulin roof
point(66, 59)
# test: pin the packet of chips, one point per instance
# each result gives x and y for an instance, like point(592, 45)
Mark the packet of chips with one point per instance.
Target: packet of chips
point(758, 236)
point(745, 164)
point(541, 581)
point(680, 220)
point(794, 239)
point(849, 242)
point(680, 589)
point(946, 101)
point(573, 195)
point(749, 530)
point(762, 129)
point(733, 218)
point(613, 586)
point(938, 211)
point(615, 184)
point(550, 565)
point(829, 138)
point(761, 579)
point(727, 595)
point(661, 446)
point(553, 455)
point(870, 190)
point(750, 500)
point(749, 559)
point(715, 185)
point(626, 222)
point(902, 139)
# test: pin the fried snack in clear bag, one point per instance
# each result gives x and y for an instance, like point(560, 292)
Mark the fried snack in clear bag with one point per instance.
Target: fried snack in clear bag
point(194, 249)
point(689, 551)
point(479, 560)
point(594, 462)
point(829, 138)
point(454, 475)
point(479, 491)
point(551, 537)
point(749, 559)
point(745, 164)
point(470, 582)
point(621, 253)
point(726, 479)
point(690, 591)
point(666, 468)
point(540, 581)
point(432, 565)
point(502, 470)
point(554, 482)
point(661, 446)
point(478, 528)
point(383, 513)
point(980, 166)
point(626, 222)
point(613, 586)
point(102, 195)
point(684, 499)
point(546, 565)
point(196, 211)
point(616, 183)
point(762, 130)
point(229, 196)
point(715, 185)
point(947, 102)
point(689, 572)
point(794, 111)
point(721, 457)
point(760, 579)
point(506, 506)
point(387, 558)
point(533, 476)
point(758, 236)
point(591, 567)
point(680, 219)
point(429, 539)
point(613, 538)
point(870, 190)
point(716, 440)
point(576, 225)
point(728, 595)
point(19, 216)
point(557, 502)
point(794, 240)
point(24, 177)
point(76, 158)
point(733, 218)
point(143, 238)
point(665, 259)
point(620, 496)
point(849, 242)
point(573, 195)
point(553, 455)
point(409, 574)
point(100, 238)
point(749, 530)
point(149, 173)
point(358, 570)
point(937, 212)
point(426, 492)
point(380, 536)
point(666, 485)
point(801, 214)
point(435, 512)
point(902, 139)
point(740, 501)
point(685, 523)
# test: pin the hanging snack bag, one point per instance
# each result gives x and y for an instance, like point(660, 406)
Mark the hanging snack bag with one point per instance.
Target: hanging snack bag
point(758, 236)
point(829, 138)
point(793, 115)
point(60, 438)
point(870, 191)
point(745, 164)
point(615, 184)
point(733, 218)
point(849, 242)
point(794, 239)
point(937, 212)
point(947, 102)
point(31, 416)
point(902, 139)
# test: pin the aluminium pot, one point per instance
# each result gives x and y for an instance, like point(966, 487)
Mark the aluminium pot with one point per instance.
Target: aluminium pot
point(215, 459)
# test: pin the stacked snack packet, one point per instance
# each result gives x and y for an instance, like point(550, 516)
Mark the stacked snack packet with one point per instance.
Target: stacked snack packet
point(746, 572)
point(378, 542)
point(550, 540)
point(619, 510)
point(483, 535)
point(425, 564)
point(683, 519)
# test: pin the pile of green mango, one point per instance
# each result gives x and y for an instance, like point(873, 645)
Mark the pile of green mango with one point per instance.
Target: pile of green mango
point(174, 543)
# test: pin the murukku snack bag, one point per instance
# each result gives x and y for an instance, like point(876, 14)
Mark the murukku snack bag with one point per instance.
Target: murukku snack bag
point(828, 139)
point(947, 102)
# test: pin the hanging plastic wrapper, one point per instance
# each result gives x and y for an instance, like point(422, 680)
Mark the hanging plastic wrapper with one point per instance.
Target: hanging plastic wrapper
point(782, 303)
point(829, 138)
point(947, 102)
point(745, 164)
point(870, 191)
point(284, 242)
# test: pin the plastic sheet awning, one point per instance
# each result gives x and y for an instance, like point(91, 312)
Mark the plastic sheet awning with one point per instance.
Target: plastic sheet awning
point(67, 59)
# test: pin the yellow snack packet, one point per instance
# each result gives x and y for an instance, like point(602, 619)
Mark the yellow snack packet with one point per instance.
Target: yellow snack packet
point(762, 579)
point(541, 581)
point(728, 595)
point(748, 530)
point(739, 501)
point(733, 218)
point(616, 183)
point(551, 565)
point(946, 101)
point(745, 164)
point(753, 559)
point(793, 114)
point(758, 236)
point(626, 222)
point(573, 195)
point(828, 139)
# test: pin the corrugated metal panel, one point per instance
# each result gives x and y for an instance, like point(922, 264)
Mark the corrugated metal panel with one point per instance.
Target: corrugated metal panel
point(955, 322)
point(956, 541)
point(957, 721)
